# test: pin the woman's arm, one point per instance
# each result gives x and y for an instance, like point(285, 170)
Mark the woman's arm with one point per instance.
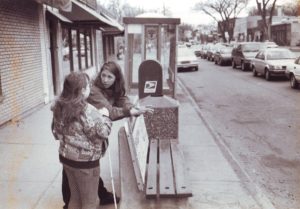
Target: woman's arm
point(120, 110)
point(95, 124)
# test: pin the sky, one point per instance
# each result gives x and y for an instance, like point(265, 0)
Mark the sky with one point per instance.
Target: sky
point(183, 9)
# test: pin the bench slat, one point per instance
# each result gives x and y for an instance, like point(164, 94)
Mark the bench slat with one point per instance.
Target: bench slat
point(182, 186)
point(166, 178)
point(151, 179)
point(136, 167)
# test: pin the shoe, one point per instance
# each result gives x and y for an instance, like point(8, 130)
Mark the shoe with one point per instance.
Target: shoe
point(109, 199)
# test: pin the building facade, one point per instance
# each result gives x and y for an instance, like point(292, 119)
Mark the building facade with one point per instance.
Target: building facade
point(286, 33)
point(40, 44)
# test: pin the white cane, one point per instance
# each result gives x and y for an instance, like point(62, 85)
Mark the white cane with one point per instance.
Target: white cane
point(112, 178)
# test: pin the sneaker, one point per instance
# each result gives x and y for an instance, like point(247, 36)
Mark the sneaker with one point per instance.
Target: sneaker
point(109, 199)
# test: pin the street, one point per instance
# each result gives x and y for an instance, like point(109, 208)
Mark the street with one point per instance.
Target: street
point(255, 123)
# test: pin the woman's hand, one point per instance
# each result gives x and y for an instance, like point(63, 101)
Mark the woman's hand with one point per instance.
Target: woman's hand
point(136, 111)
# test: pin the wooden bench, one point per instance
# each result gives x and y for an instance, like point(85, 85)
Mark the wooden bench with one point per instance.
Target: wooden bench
point(165, 174)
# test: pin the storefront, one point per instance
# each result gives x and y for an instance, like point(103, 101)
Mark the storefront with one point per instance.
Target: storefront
point(41, 43)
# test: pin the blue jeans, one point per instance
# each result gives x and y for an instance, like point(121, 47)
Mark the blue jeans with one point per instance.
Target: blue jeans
point(84, 187)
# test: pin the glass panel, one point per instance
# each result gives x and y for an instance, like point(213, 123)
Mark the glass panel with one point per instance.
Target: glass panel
point(66, 52)
point(171, 46)
point(137, 56)
point(151, 36)
point(165, 51)
point(75, 51)
point(88, 47)
point(82, 50)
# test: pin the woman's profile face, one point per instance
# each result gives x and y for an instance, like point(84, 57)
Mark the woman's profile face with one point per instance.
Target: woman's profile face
point(107, 78)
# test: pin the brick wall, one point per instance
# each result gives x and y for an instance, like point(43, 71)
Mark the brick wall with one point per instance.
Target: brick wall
point(20, 58)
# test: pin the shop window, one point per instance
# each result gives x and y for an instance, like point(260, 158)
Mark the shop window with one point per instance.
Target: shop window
point(77, 49)
point(66, 41)
point(85, 49)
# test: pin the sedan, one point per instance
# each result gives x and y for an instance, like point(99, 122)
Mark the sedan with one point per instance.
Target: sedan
point(197, 50)
point(186, 59)
point(293, 74)
point(271, 62)
point(223, 55)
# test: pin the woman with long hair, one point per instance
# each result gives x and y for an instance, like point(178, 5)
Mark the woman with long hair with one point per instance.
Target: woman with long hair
point(109, 91)
point(82, 132)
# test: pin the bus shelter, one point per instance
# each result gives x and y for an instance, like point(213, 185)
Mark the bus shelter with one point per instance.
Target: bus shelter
point(151, 37)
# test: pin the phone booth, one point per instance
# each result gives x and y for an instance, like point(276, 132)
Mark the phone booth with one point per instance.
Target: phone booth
point(151, 37)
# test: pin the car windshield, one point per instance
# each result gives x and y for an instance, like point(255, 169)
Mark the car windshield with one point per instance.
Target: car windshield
point(226, 50)
point(253, 47)
point(282, 54)
point(185, 52)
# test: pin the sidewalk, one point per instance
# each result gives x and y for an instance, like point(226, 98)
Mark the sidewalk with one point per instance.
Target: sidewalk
point(30, 176)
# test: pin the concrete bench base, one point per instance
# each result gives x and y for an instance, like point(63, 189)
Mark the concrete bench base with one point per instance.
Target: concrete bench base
point(165, 172)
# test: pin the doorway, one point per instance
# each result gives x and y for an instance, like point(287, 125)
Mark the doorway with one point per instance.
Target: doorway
point(53, 54)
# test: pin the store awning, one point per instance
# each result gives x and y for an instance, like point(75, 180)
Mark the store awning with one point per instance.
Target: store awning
point(57, 15)
point(114, 22)
point(82, 14)
point(64, 5)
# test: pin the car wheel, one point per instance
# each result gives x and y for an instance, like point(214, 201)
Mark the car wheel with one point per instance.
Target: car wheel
point(196, 68)
point(293, 82)
point(243, 67)
point(254, 73)
point(267, 75)
point(220, 62)
point(216, 62)
point(233, 64)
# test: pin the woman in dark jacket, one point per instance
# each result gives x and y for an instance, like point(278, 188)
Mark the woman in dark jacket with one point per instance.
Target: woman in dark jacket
point(108, 91)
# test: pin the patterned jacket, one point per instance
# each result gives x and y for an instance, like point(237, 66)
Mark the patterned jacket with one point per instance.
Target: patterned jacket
point(83, 142)
point(118, 107)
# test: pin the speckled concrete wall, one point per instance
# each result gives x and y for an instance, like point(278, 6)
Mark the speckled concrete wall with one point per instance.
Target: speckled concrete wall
point(163, 123)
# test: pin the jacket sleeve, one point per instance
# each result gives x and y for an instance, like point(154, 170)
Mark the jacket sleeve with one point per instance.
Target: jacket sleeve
point(96, 125)
point(119, 111)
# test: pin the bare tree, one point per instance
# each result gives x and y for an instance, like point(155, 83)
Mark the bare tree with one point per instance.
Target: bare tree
point(292, 9)
point(115, 8)
point(266, 16)
point(224, 12)
point(129, 11)
point(166, 11)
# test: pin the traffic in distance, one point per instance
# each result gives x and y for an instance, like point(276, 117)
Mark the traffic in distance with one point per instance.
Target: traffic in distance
point(265, 59)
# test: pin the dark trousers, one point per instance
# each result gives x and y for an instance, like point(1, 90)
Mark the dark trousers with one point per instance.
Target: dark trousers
point(66, 193)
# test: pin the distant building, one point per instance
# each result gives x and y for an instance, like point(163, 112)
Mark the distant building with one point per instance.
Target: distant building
point(286, 32)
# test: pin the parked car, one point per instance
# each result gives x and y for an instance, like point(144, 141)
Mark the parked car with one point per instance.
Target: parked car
point(243, 53)
point(198, 49)
point(270, 44)
point(293, 74)
point(210, 52)
point(203, 52)
point(271, 62)
point(223, 55)
point(186, 59)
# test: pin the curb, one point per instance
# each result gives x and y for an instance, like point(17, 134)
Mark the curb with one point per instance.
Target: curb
point(254, 190)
